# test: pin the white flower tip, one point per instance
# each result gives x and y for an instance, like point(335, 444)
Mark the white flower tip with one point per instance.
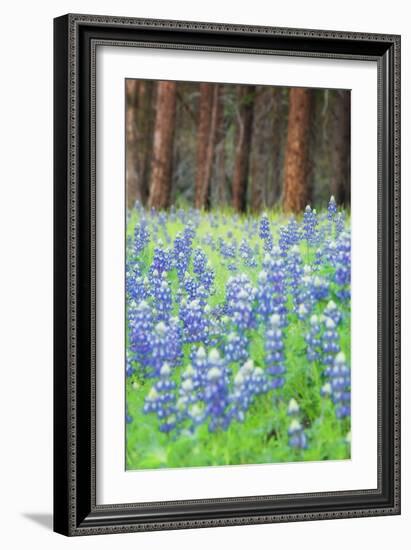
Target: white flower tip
point(248, 365)
point(214, 355)
point(165, 370)
point(329, 323)
point(275, 320)
point(201, 353)
point(293, 407)
point(340, 357)
point(161, 327)
point(214, 374)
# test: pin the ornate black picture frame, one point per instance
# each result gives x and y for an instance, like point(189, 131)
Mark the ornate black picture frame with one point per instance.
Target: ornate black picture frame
point(76, 38)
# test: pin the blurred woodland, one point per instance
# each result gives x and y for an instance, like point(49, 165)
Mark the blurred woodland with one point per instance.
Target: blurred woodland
point(246, 146)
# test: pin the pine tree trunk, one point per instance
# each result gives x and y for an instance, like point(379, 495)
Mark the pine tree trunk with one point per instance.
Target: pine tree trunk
point(341, 162)
point(161, 164)
point(261, 145)
point(243, 142)
point(203, 136)
point(133, 190)
point(220, 191)
point(296, 165)
point(205, 197)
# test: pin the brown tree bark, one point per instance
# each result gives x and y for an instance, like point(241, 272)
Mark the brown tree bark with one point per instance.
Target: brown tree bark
point(296, 164)
point(278, 142)
point(341, 158)
point(205, 197)
point(242, 151)
point(261, 146)
point(220, 177)
point(161, 164)
point(133, 191)
point(139, 136)
point(203, 170)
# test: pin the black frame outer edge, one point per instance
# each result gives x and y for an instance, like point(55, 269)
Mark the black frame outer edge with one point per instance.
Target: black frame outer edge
point(60, 291)
point(75, 512)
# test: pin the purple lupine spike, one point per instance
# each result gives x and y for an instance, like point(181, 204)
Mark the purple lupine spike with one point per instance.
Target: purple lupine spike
point(274, 352)
point(265, 233)
point(161, 400)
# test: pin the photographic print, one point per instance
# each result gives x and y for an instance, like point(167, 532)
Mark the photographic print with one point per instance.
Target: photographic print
point(237, 271)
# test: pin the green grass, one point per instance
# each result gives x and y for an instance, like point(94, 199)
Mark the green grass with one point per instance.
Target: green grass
point(262, 437)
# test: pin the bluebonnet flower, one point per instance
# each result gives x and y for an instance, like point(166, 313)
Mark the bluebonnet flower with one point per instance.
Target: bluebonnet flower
point(333, 312)
point(161, 293)
point(247, 254)
point(240, 297)
point(191, 286)
point(343, 266)
point(236, 347)
point(339, 223)
point(182, 250)
point(302, 312)
point(340, 380)
point(296, 436)
point(187, 396)
point(332, 209)
point(329, 254)
point(330, 345)
point(129, 365)
point(141, 237)
point(199, 261)
point(205, 274)
point(249, 382)
point(227, 250)
point(271, 291)
point(161, 260)
point(274, 352)
point(206, 279)
point(265, 232)
point(216, 392)
point(200, 367)
point(289, 236)
point(195, 321)
point(320, 288)
point(313, 339)
point(140, 327)
point(161, 400)
point(310, 223)
point(136, 287)
point(312, 288)
point(165, 346)
point(159, 351)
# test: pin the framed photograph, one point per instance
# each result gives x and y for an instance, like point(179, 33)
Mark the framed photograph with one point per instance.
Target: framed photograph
point(227, 274)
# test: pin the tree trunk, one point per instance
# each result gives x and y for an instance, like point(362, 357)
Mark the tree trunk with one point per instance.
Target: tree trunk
point(261, 145)
point(139, 136)
point(242, 151)
point(133, 189)
point(205, 197)
point(296, 166)
point(341, 162)
point(220, 187)
point(203, 139)
point(161, 165)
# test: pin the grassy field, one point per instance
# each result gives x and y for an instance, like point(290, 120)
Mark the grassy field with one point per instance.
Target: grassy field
point(265, 432)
